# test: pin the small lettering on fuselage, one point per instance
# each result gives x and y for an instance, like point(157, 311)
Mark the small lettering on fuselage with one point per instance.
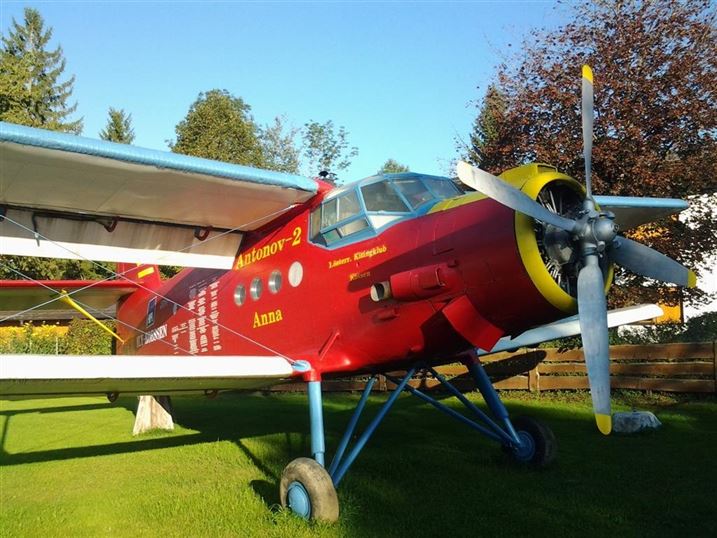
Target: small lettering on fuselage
point(360, 255)
point(357, 276)
point(370, 253)
point(267, 318)
point(152, 336)
point(339, 262)
point(265, 251)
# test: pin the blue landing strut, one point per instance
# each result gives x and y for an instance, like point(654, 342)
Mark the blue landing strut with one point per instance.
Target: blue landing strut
point(499, 427)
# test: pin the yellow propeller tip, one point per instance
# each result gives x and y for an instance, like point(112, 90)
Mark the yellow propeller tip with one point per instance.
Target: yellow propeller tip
point(588, 73)
point(604, 423)
point(691, 279)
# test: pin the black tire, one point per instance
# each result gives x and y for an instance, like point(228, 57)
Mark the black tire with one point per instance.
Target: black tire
point(316, 482)
point(545, 446)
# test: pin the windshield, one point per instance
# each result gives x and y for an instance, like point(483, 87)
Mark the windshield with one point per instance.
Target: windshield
point(382, 196)
point(389, 200)
point(413, 190)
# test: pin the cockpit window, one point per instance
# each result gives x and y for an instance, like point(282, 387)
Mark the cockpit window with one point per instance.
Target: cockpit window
point(442, 187)
point(381, 196)
point(348, 205)
point(357, 214)
point(337, 218)
point(328, 213)
point(414, 191)
point(340, 208)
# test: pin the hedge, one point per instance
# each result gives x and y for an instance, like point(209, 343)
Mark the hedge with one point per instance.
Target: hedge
point(81, 337)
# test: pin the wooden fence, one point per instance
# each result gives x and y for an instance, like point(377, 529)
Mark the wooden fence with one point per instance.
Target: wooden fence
point(661, 367)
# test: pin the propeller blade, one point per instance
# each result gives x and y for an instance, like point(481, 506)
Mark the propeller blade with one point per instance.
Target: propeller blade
point(587, 116)
point(509, 196)
point(646, 261)
point(592, 310)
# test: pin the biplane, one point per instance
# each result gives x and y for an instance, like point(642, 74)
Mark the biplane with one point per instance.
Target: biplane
point(290, 278)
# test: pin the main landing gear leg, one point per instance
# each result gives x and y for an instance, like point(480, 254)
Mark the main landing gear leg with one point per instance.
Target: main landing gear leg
point(525, 439)
point(306, 488)
point(530, 441)
point(309, 490)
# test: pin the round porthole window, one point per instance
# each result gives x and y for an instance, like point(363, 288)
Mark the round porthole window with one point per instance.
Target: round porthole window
point(275, 281)
point(256, 288)
point(240, 295)
point(296, 274)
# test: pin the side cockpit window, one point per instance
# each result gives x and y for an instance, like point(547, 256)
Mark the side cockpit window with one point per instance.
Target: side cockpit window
point(337, 218)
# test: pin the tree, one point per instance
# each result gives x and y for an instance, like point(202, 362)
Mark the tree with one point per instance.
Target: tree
point(19, 267)
point(486, 128)
point(326, 149)
point(219, 126)
point(392, 166)
point(118, 128)
point(655, 65)
point(31, 92)
point(279, 146)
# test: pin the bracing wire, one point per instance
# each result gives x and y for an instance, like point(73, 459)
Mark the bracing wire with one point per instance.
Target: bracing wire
point(94, 310)
point(153, 292)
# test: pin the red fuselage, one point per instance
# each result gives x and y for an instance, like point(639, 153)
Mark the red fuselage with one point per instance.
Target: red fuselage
point(315, 302)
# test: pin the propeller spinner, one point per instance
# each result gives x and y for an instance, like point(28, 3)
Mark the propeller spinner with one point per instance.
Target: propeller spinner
point(591, 234)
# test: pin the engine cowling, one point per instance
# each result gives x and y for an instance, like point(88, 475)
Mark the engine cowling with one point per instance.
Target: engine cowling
point(549, 254)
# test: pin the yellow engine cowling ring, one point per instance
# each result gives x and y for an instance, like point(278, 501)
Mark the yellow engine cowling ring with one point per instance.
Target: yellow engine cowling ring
point(531, 179)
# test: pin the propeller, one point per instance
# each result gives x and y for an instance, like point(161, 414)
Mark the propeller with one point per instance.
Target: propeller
point(592, 309)
point(506, 194)
point(594, 235)
point(587, 120)
point(648, 262)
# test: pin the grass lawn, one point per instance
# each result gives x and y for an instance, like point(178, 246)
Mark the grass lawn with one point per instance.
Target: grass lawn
point(70, 467)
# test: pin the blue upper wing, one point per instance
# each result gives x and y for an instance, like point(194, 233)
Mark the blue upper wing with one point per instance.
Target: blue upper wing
point(61, 190)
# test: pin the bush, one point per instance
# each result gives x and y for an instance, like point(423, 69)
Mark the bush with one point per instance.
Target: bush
point(85, 337)
point(81, 337)
point(37, 339)
point(702, 328)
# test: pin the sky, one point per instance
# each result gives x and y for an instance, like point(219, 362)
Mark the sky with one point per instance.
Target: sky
point(401, 77)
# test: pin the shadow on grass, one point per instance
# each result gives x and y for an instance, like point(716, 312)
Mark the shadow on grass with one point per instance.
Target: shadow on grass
point(216, 420)
point(268, 492)
point(420, 471)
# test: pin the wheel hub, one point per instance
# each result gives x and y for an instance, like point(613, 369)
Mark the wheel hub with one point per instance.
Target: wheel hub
point(298, 500)
point(526, 449)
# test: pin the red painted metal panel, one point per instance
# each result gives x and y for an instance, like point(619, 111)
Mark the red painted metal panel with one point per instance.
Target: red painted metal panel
point(327, 316)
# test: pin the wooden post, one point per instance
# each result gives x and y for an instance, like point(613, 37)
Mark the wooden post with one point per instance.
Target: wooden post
point(382, 383)
point(534, 380)
point(153, 413)
point(714, 362)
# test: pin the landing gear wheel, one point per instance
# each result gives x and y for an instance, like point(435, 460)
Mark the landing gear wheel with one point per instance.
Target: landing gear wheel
point(539, 446)
point(308, 491)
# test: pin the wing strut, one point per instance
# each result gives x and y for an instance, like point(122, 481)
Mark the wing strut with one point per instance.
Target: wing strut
point(65, 298)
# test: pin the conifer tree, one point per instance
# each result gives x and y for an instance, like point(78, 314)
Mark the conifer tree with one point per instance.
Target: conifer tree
point(31, 93)
point(119, 127)
point(31, 90)
point(392, 166)
point(486, 128)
